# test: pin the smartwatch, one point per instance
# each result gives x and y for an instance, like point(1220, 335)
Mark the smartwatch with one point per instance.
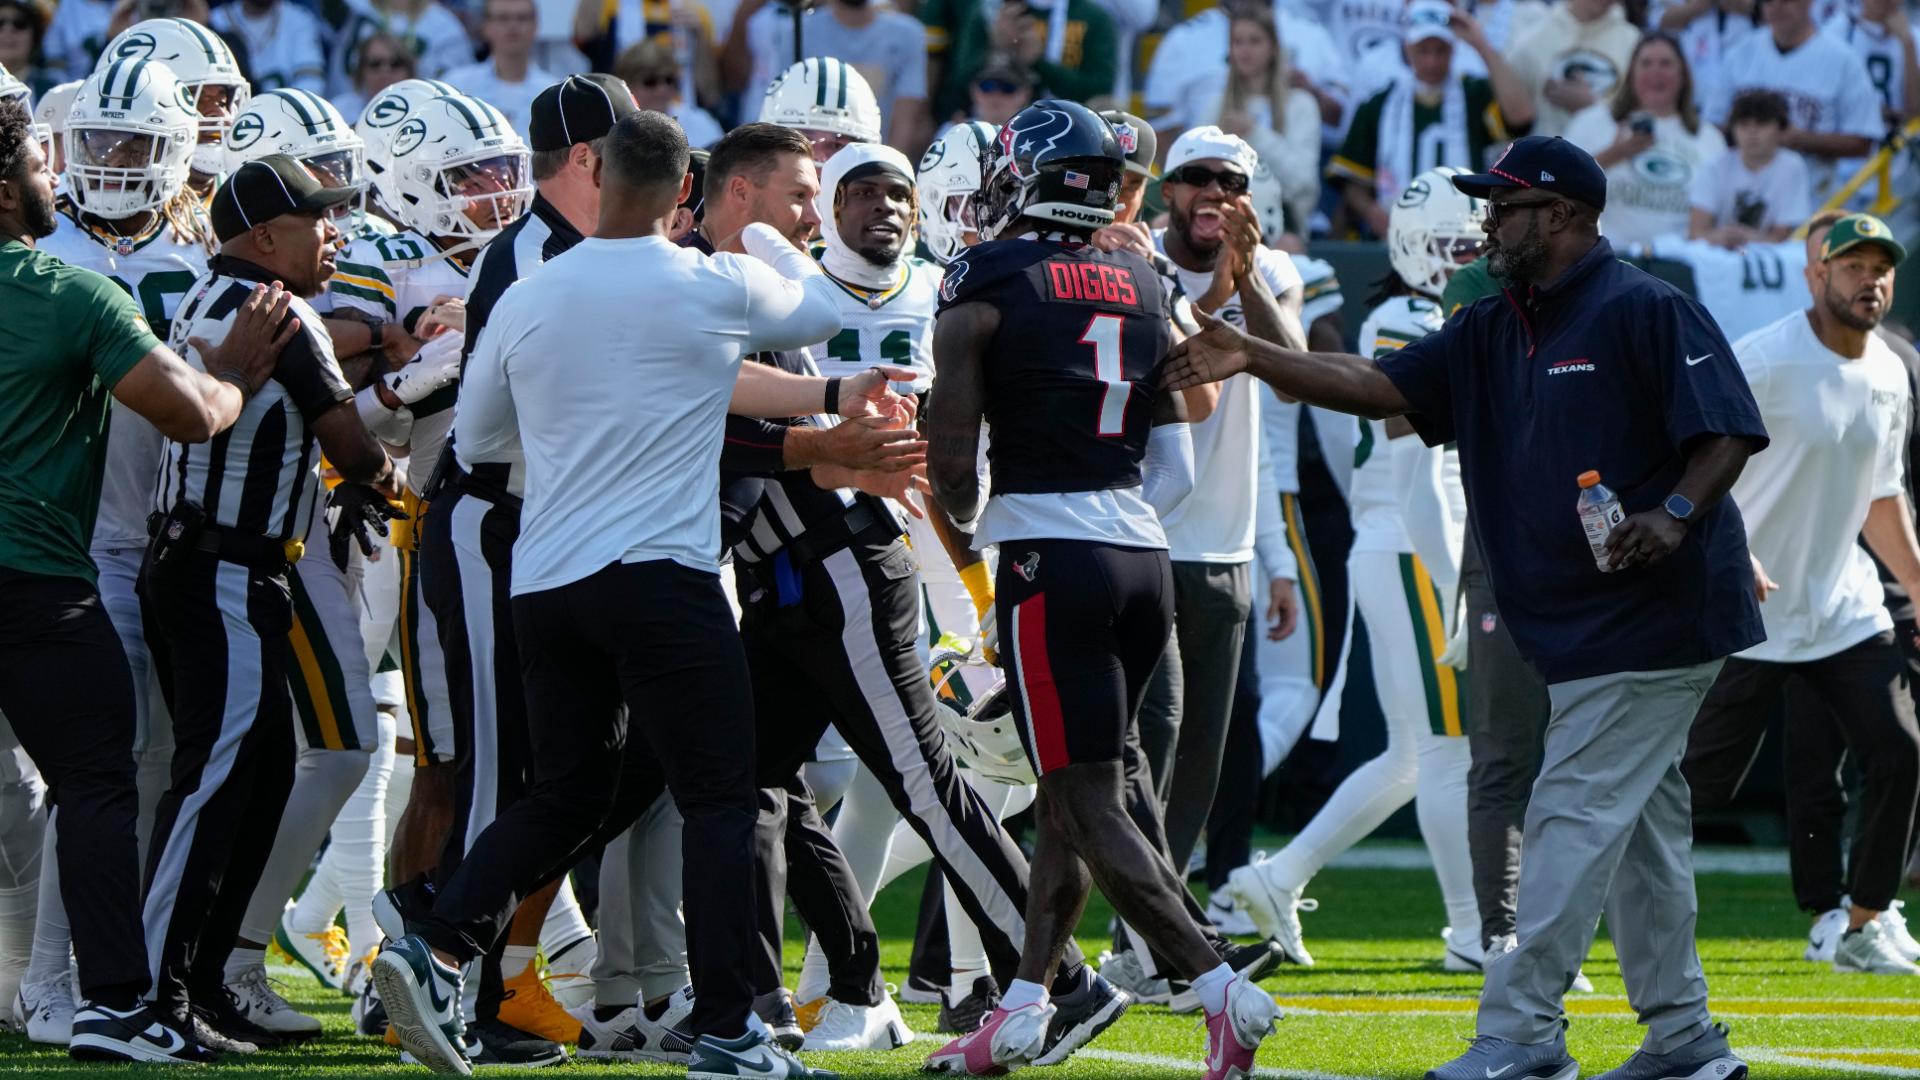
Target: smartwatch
point(1679, 506)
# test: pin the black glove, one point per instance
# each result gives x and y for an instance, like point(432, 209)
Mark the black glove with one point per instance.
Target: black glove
point(356, 509)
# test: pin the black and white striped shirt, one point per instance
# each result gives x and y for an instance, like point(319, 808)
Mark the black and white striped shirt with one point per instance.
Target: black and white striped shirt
point(262, 475)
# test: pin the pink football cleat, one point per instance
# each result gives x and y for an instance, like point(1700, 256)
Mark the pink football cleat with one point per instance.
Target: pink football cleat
point(1235, 1032)
point(1006, 1040)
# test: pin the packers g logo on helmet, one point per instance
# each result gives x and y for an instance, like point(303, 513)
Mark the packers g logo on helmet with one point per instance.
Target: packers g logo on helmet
point(138, 45)
point(409, 137)
point(1417, 193)
point(245, 131)
point(387, 111)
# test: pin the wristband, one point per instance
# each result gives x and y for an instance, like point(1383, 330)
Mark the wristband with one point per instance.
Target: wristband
point(832, 405)
point(239, 381)
point(979, 585)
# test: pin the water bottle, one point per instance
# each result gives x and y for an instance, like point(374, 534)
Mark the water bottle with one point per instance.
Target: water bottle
point(1599, 511)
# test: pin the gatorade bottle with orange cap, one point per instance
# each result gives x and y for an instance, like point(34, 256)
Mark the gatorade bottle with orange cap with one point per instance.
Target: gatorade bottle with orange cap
point(1599, 511)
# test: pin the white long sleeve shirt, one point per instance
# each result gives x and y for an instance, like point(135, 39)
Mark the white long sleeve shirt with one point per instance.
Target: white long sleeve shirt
point(614, 364)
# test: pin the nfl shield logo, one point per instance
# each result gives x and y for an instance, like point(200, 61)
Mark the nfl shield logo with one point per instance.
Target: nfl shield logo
point(123, 246)
point(1125, 136)
point(1488, 621)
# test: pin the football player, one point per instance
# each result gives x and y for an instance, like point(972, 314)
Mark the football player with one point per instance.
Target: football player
point(828, 101)
point(1057, 344)
point(1409, 512)
point(129, 137)
point(204, 64)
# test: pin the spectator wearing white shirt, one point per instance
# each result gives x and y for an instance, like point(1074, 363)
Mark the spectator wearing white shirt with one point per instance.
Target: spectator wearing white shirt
point(1706, 29)
point(431, 31)
point(1188, 70)
point(1573, 59)
point(1833, 109)
point(506, 79)
point(1759, 193)
point(1263, 106)
point(1651, 141)
point(1884, 37)
point(655, 78)
point(283, 43)
point(887, 46)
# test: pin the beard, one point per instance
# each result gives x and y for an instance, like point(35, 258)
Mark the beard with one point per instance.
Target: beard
point(41, 220)
point(1841, 308)
point(1180, 222)
point(1524, 261)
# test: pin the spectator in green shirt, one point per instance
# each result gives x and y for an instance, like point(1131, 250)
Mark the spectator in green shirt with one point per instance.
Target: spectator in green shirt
point(70, 339)
point(1072, 51)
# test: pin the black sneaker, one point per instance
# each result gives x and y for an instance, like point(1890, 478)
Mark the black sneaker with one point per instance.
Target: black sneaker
point(776, 1009)
point(137, 1034)
point(504, 1045)
point(1080, 1016)
point(1255, 961)
point(211, 1037)
point(964, 1016)
point(225, 1017)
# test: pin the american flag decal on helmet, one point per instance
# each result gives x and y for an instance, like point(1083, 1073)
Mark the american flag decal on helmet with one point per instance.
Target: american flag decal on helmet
point(1077, 180)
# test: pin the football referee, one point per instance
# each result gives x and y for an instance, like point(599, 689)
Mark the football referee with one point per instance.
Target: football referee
point(1583, 363)
point(69, 339)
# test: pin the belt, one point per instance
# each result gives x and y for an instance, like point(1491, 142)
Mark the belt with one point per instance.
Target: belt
point(249, 549)
point(829, 537)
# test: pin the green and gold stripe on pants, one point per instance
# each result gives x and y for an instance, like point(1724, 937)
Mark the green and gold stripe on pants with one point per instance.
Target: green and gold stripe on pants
point(1445, 697)
point(318, 686)
point(1313, 619)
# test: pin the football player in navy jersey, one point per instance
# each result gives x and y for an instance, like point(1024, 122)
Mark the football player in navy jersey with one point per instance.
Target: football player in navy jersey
point(1059, 346)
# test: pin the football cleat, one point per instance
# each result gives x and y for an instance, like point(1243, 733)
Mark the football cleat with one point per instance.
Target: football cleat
point(422, 996)
point(137, 1034)
point(324, 953)
point(45, 1010)
point(255, 1001)
point(218, 1032)
point(1080, 1016)
point(963, 1016)
point(919, 991)
point(526, 1004)
point(1006, 1040)
point(1253, 962)
point(612, 1039)
point(859, 1027)
point(1237, 1030)
point(1125, 970)
point(1274, 909)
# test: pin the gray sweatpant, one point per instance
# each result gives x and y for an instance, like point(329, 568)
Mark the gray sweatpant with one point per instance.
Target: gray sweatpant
point(1610, 828)
point(643, 940)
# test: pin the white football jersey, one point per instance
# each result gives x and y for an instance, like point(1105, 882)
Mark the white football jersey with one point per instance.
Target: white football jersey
point(285, 47)
point(396, 279)
point(1375, 500)
point(1360, 26)
point(157, 271)
point(894, 327)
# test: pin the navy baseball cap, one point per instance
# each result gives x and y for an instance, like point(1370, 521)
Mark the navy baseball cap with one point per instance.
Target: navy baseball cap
point(1548, 163)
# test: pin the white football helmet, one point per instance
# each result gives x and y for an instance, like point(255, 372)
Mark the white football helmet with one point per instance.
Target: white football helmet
point(827, 99)
point(129, 139)
point(12, 89)
point(50, 126)
point(203, 64)
point(304, 126)
point(1269, 202)
point(456, 155)
point(1434, 229)
point(949, 175)
point(378, 121)
point(977, 715)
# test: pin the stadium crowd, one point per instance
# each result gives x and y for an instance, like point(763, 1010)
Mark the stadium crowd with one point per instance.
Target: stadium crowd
point(425, 649)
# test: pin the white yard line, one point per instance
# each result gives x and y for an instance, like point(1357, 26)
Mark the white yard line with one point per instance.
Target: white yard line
point(1801, 1061)
point(1705, 860)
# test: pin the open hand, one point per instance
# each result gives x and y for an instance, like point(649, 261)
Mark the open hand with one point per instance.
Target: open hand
point(874, 443)
point(445, 313)
point(1215, 353)
point(870, 394)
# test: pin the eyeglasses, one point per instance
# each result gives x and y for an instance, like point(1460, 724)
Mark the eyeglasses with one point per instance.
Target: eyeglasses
point(1495, 211)
point(1232, 183)
point(998, 86)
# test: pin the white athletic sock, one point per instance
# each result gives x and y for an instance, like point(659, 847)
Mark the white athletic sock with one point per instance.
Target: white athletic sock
point(515, 959)
point(323, 781)
point(52, 951)
point(864, 830)
point(966, 954)
point(23, 834)
point(240, 961)
point(815, 973)
point(354, 866)
point(1212, 989)
point(1023, 993)
point(1442, 809)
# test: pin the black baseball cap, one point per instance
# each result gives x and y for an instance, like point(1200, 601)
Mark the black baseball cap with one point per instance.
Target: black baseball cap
point(578, 109)
point(1548, 163)
point(267, 187)
point(697, 195)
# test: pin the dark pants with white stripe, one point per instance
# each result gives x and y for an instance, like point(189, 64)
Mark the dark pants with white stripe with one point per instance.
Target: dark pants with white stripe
point(657, 637)
point(222, 643)
point(845, 653)
point(66, 689)
point(466, 553)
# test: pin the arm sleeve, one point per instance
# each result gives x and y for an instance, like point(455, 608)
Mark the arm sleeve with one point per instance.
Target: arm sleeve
point(1422, 372)
point(1167, 470)
point(485, 420)
point(752, 446)
point(1269, 532)
point(1690, 360)
point(117, 335)
point(784, 314)
point(1419, 477)
point(311, 376)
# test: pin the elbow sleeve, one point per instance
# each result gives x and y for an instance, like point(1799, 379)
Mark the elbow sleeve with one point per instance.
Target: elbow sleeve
point(391, 426)
point(1168, 467)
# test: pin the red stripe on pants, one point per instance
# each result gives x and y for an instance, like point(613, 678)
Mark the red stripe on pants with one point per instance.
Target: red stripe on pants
point(1037, 686)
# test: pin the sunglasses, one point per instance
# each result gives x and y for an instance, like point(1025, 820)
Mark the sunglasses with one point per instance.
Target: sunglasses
point(15, 24)
point(1233, 183)
point(998, 86)
point(655, 82)
point(1497, 211)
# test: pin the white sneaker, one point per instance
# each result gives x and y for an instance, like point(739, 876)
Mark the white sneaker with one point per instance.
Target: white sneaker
point(1464, 953)
point(45, 1010)
point(859, 1027)
point(1505, 943)
point(1228, 919)
point(258, 1004)
point(1869, 950)
point(665, 1037)
point(1894, 923)
point(607, 1040)
point(1275, 911)
point(324, 953)
point(1825, 935)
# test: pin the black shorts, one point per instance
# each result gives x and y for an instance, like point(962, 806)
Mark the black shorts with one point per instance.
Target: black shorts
point(1082, 626)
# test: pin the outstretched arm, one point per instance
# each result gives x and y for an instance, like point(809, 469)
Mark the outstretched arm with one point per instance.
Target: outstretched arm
point(1339, 381)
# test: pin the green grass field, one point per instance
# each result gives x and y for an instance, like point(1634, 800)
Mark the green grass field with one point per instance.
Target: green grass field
point(1377, 1004)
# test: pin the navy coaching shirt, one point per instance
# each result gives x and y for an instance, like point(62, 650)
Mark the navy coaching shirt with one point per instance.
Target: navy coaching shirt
point(1606, 368)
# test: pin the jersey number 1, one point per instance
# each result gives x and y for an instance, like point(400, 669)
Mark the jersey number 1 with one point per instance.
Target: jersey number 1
point(1103, 333)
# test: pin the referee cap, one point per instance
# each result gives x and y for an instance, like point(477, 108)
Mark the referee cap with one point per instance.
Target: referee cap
point(1549, 163)
point(1856, 229)
point(578, 109)
point(264, 189)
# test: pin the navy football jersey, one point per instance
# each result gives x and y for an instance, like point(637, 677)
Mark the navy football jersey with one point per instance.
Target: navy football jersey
point(1072, 372)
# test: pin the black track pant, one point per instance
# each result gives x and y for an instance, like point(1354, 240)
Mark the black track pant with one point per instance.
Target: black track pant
point(1865, 688)
point(66, 689)
point(793, 845)
point(659, 638)
point(844, 652)
point(222, 639)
